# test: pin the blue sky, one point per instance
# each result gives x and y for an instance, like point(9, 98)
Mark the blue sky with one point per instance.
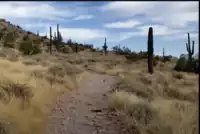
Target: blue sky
point(124, 23)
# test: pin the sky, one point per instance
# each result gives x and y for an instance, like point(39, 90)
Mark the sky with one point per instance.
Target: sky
point(124, 23)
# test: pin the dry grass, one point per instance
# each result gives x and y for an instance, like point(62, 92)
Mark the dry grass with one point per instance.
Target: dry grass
point(163, 103)
point(28, 90)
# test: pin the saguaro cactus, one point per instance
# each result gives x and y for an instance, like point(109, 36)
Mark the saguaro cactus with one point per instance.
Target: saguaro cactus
point(50, 42)
point(150, 50)
point(105, 47)
point(58, 30)
point(163, 54)
point(76, 48)
point(188, 47)
point(58, 37)
point(54, 39)
point(190, 53)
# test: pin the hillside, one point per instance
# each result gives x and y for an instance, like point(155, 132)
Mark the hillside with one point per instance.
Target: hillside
point(12, 36)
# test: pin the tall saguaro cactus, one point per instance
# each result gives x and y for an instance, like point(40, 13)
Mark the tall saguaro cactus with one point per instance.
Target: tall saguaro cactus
point(188, 47)
point(150, 50)
point(163, 54)
point(190, 53)
point(58, 30)
point(58, 37)
point(50, 41)
point(105, 47)
point(76, 48)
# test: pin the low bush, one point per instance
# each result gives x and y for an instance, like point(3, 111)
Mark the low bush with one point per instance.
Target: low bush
point(28, 48)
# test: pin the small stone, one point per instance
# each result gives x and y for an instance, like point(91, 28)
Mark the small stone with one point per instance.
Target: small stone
point(96, 110)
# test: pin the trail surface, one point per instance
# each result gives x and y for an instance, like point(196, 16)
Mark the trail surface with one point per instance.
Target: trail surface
point(84, 111)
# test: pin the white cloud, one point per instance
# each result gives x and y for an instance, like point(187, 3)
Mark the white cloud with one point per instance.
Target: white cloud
point(123, 24)
point(78, 34)
point(176, 14)
point(33, 26)
point(33, 10)
point(84, 17)
point(158, 30)
point(182, 36)
point(127, 8)
point(82, 34)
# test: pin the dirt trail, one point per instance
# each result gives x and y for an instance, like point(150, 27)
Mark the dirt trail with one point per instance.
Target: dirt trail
point(84, 111)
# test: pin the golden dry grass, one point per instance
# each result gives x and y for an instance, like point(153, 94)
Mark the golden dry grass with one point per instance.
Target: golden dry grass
point(27, 91)
point(163, 103)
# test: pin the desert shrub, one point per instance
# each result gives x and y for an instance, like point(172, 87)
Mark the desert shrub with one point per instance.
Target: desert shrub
point(138, 114)
point(155, 62)
point(36, 40)
point(25, 37)
point(131, 57)
point(19, 27)
point(29, 32)
point(178, 75)
point(9, 45)
point(167, 58)
point(157, 57)
point(64, 69)
point(44, 37)
point(121, 51)
point(145, 93)
point(3, 127)
point(183, 64)
point(156, 104)
point(80, 47)
point(93, 50)
point(180, 64)
point(27, 47)
point(1, 19)
point(195, 65)
point(1, 35)
point(9, 89)
point(9, 39)
point(66, 49)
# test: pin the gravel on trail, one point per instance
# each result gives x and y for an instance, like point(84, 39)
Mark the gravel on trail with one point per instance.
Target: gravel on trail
point(84, 111)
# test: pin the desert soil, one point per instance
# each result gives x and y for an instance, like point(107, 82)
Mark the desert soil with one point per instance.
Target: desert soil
point(84, 111)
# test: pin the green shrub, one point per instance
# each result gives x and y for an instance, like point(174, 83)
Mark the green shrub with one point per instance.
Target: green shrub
point(9, 39)
point(1, 35)
point(167, 58)
point(184, 65)
point(155, 62)
point(27, 47)
point(195, 65)
point(181, 64)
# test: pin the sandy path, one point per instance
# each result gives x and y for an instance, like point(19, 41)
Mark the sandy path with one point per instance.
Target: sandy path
point(84, 111)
